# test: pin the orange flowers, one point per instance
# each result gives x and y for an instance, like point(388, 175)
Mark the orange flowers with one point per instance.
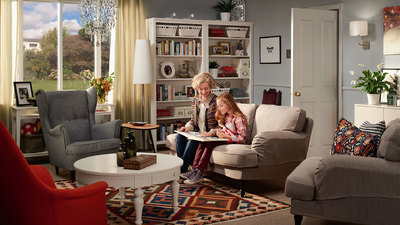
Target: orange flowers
point(103, 86)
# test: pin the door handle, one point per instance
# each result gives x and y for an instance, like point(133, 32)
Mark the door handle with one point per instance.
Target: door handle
point(296, 93)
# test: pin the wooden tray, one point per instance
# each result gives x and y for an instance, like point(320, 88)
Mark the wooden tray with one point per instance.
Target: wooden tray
point(139, 162)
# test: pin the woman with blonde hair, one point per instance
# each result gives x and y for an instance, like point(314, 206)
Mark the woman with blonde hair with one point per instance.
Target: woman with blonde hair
point(204, 106)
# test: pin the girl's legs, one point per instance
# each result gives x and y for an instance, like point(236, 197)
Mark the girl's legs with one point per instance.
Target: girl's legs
point(201, 160)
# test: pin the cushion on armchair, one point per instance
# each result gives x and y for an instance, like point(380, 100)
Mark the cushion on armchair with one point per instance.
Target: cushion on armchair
point(389, 147)
point(278, 118)
point(349, 140)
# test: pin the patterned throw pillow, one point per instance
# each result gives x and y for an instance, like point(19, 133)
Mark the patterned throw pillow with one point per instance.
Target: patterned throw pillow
point(377, 128)
point(349, 140)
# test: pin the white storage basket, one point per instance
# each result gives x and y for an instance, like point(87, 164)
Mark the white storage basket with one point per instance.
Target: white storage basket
point(236, 32)
point(166, 30)
point(189, 31)
point(218, 91)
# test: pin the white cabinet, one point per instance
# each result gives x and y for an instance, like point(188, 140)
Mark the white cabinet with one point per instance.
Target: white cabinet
point(179, 43)
point(375, 113)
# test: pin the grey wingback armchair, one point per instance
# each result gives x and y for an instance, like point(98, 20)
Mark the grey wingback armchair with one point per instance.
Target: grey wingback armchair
point(70, 132)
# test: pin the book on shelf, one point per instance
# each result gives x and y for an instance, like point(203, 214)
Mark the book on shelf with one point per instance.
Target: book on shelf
point(171, 47)
point(191, 135)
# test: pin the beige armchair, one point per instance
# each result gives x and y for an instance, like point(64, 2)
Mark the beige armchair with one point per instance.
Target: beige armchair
point(278, 139)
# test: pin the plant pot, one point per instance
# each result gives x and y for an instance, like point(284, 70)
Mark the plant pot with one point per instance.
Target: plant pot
point(214, 72)
point(373, 99)
point(225, 16)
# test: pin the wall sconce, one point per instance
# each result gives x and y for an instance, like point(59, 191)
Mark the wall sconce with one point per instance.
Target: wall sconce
point(360, 29)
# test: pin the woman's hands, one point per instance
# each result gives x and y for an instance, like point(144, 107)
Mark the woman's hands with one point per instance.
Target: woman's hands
point(183, 129)
point(206, 134)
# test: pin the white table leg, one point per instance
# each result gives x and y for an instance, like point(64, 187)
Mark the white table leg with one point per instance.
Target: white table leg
point(138, 205)
point(121, 195)
point(175, 191)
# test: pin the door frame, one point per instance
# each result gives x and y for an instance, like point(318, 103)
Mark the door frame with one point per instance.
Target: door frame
point(339, 8)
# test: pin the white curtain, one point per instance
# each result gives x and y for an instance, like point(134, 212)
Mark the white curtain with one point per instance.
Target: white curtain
point(10, 54)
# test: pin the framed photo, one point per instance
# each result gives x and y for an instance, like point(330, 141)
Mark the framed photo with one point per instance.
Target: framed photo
point(217, 50)
point(226, 46)
point(189, 90)
point(23, 91)
point(392, 73)
point(270, 50)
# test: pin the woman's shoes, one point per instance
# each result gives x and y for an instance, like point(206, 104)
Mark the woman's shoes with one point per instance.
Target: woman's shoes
point(196, 176)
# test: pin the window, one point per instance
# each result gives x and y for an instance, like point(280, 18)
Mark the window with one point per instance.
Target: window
point(41, 62)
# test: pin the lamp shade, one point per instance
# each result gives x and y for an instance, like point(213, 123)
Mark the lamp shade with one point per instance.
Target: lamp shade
point(143, 67)
point(358, 28)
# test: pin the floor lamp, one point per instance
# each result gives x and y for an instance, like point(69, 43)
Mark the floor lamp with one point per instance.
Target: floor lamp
point(143, 72)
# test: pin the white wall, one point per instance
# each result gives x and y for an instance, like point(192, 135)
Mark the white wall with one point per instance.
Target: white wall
point(272, 17)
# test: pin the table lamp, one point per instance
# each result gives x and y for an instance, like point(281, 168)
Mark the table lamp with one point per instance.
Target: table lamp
point(143, 68)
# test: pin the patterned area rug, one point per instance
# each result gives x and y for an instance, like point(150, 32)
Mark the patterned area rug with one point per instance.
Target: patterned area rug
point(208, 202)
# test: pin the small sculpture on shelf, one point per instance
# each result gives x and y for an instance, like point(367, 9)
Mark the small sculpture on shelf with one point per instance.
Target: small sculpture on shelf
point(239, 50)
point(393, 90)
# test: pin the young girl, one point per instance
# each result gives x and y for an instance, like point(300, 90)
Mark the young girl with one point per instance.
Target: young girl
point(232, 125)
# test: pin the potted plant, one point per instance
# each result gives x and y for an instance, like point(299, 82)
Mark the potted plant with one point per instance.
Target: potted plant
point(225, 9)
point(371, 82)
point(213, 66)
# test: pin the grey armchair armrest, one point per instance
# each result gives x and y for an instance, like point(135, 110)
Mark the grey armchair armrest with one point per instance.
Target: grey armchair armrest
point(60, 131)
point(107, 130)
point(277, 147)
point(357, 176)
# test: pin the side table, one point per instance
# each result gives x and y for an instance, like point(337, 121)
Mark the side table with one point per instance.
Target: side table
point(143, 128)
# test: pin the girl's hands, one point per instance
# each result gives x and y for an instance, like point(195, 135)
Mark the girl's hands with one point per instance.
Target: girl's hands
point(221, 134)
point(183, 129)
point(206, 134)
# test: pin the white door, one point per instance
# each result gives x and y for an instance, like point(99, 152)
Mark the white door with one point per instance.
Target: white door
point(314, 73)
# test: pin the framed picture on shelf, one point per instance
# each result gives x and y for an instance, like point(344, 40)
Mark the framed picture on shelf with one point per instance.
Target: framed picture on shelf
point(217, 50)
point(23, 91)
point(392, 73)
point(270, 50)
point(226, 46)
point(189, 90)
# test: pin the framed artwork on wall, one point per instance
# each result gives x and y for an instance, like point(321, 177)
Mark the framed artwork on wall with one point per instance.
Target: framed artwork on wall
point(391, 29)
point(23, 91)
point(270, 50)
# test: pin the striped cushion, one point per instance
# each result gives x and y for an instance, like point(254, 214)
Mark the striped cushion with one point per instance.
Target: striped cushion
point(376, 129)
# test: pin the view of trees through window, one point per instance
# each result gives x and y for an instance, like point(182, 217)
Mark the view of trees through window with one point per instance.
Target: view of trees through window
point(40, 48)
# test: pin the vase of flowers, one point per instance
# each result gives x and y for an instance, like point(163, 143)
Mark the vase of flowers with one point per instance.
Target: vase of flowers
point(103, 86)
point(371, 82)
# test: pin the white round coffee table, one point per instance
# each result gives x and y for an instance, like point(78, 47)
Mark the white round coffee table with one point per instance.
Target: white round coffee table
point(104, 168)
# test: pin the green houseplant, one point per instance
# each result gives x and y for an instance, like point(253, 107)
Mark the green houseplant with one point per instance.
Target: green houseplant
point(213, 66)
point(373, 83)
point(225, 9)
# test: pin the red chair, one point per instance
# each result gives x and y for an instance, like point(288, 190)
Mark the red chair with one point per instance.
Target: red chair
point(28, 195)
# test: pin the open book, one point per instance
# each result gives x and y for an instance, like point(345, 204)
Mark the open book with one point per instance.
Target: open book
point(196, 136)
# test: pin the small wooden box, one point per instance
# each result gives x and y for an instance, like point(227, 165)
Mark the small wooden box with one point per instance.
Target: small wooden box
point(139, 162)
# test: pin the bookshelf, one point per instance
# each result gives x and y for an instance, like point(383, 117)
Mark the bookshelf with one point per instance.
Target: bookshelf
point(179, 54)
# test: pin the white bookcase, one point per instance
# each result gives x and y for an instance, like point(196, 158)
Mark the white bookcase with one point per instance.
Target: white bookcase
point(200, 54)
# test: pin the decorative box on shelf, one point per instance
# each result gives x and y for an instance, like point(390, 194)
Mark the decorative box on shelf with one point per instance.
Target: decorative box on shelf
point(218, 91)
point(180, 111)
point(236, 32)
point(189, 30)
point(139, 162)
point(216, 32)
point(166, 30)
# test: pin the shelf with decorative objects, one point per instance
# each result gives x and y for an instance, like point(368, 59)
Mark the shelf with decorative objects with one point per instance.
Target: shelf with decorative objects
point(183, 48)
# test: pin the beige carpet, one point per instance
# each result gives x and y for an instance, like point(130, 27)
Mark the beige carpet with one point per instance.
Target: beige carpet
point(270, 188)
